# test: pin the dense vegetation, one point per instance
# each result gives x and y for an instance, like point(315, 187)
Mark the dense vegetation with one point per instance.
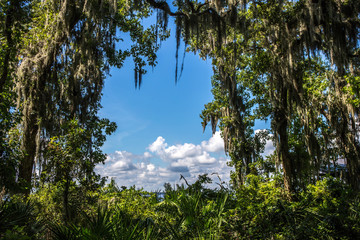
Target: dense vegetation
point(257, 210)
point(295, 63)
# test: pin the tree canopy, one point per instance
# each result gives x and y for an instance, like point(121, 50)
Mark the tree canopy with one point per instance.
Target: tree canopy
point(293, 62)
point(54, 60)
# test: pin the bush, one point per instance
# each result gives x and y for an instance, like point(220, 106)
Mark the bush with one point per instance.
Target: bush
point(327, 210)
point(260, 209)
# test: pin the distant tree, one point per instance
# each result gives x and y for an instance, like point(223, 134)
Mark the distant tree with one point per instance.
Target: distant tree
point(70, 159)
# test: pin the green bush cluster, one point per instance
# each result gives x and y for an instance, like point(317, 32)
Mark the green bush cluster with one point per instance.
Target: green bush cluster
point(326, 210)
point(260, 209)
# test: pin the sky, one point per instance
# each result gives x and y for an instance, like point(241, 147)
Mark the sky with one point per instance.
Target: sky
point(159, 134)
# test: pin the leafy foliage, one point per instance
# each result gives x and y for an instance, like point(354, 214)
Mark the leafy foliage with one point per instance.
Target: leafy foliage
point(18, 220)
point(293, 62)
point(54, 58)
point(259, 209)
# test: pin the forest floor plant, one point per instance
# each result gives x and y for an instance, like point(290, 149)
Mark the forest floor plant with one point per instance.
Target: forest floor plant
point(259, 209)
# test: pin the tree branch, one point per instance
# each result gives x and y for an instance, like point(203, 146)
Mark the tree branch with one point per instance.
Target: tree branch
point(165, 7)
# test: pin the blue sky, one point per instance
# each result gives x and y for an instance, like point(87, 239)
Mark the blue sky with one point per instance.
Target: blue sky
point(160, 107)
point(159, 133)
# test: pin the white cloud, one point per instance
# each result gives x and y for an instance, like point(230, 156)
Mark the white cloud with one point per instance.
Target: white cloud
point(120, 161)
point(181, 157)
point(215, 143)
point(182, 151)
point(158, 145)
point(150, 167)
point(164, 163)
point(147, 155)
point(205, 158)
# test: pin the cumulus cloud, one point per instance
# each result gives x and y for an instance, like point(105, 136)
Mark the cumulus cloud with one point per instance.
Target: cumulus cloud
point(158, 145)
point(147, 155)
point(123, 166)
point(120, 161)
point(182, 151)
point(164, 163)
point(215, 143)
point(185, 155)
point(181, 169)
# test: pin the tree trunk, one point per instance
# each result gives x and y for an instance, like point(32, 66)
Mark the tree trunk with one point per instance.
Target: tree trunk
point(281, 127)
point(354, 173)
point(284, 157)
point(353, 164)
point(66, 197)
point(35, 102)
point(347, 133)
point(29, 149)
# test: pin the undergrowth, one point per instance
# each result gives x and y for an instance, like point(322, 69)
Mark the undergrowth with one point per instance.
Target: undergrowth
point(260, 209)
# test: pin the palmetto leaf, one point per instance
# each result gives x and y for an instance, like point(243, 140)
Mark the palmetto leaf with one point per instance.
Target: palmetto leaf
point(13, 214)
point(68, 232)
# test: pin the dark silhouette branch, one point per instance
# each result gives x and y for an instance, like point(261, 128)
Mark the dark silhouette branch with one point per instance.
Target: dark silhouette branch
point(165, 7)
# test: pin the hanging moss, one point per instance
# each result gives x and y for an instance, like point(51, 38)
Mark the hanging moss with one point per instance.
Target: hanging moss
point(65, 57)
point(295, 34)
